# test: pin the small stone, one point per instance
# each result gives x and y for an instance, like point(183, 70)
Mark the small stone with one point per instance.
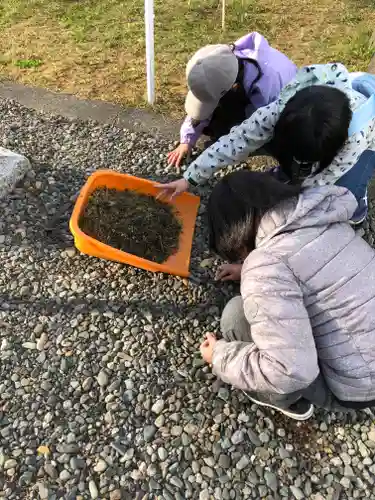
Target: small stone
point(207, 471)
point(204, 495)
point(71, 252)
point(254, 438)
point(237, 437)
point(87, 383)
point(42, 341)
point(191, 429)
point(348, 471)
point(362, 449)
point(29, 345)
point(223, 394)
point(10, 464)
point(162, 454)
point(129, 454)
point(121, 450)
point(224, 461)
point(345, 483)
point(152, 470)
point(77, 463)
point(345, 457)
point(154, 485)
point(206, 263)
point(271, 480)
point(64, 476)
point(129, 396)
point(158, 406)
point(243, 462)
point(102, 378)
point(323, 427)
point(149, 432)
point(51, 471)
point(25, 478)
point(336, 461)
point(159, 421)
point(297, 493)
point(93, 490)
point(176, 430)
point(115, 495)
point(176, 481)
point(264, 437)
point(43, 491)
point(371, 435)
point(100, 466)
point(67, 448)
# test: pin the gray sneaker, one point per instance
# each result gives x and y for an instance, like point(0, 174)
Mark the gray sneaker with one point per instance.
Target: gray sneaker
point(300, 410)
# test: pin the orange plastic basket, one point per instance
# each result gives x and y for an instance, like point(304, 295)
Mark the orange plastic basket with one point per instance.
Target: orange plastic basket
point(186, 206)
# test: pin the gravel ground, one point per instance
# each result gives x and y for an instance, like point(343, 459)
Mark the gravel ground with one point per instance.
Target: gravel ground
point(102, 390)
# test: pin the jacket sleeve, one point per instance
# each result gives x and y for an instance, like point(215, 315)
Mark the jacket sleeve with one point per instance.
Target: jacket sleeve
point(235, 147)
point(281, 357)
point(190, 133)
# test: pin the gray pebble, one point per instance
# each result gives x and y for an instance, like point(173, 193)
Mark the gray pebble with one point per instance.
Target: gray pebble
point(102, 378)
point(94, 493)
point(297, 493)
point(237, 437)
point(158, 406)
point(271, 480)
point(243, 462)
point(149, 432)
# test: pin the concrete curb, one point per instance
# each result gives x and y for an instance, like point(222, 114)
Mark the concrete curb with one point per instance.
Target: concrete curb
point(70, 106)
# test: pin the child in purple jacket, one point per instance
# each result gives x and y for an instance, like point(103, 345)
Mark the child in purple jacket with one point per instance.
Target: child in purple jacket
point(227, 83)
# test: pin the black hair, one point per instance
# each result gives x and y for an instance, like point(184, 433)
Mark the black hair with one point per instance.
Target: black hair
point(312, 128)
point(235, 207)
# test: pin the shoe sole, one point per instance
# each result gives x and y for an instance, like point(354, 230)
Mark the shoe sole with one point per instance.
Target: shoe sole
point(295, 416)
point(356, 223)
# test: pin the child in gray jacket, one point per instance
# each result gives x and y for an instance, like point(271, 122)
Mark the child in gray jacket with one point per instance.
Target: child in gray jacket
point(303, 330)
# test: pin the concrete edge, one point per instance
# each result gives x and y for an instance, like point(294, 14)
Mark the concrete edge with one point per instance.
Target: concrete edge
point(71, 107)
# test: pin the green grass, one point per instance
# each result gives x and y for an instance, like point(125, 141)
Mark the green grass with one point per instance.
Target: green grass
point(27, 63)
point(95, 48)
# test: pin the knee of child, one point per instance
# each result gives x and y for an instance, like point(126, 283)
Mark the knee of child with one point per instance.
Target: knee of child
point(231, 316)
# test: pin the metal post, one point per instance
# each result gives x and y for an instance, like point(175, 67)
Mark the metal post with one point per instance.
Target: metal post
point(223, 5)
point(150, 56)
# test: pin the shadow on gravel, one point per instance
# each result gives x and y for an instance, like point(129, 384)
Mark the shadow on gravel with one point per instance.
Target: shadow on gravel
point(42, 206)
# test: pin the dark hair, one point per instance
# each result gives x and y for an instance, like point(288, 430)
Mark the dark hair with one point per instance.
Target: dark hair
point(312, 128)
point(235, 207)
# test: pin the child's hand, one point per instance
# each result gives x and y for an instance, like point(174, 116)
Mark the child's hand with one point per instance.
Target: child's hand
point(176, 156)
point(229, 272)
point(207, 347)
point(173, 188)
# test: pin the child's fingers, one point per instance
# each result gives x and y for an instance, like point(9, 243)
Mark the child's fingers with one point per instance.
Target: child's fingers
point(172, 159)
point(221, 272)
point(227, 277)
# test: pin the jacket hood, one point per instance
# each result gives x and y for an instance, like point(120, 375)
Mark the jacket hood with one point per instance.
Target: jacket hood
point(316, 206)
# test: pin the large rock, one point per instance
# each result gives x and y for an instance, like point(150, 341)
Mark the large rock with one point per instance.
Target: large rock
point(13, 167)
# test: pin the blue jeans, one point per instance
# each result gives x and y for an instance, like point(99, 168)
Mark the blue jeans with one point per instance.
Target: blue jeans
point(357, 180)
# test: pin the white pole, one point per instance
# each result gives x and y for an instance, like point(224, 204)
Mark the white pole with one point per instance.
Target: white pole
point(150, 64)
point(223, 14)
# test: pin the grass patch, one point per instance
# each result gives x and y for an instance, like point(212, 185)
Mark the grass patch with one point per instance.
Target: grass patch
point(95, 48)
point(27, 63)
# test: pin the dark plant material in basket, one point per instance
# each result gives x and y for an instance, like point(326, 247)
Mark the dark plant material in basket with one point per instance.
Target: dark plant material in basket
point(132, 222)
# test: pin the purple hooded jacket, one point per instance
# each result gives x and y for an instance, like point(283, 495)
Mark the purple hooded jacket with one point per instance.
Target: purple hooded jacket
point(277, 71)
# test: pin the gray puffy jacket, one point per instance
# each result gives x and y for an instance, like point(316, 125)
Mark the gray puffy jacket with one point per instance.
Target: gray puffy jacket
point(309, 295)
